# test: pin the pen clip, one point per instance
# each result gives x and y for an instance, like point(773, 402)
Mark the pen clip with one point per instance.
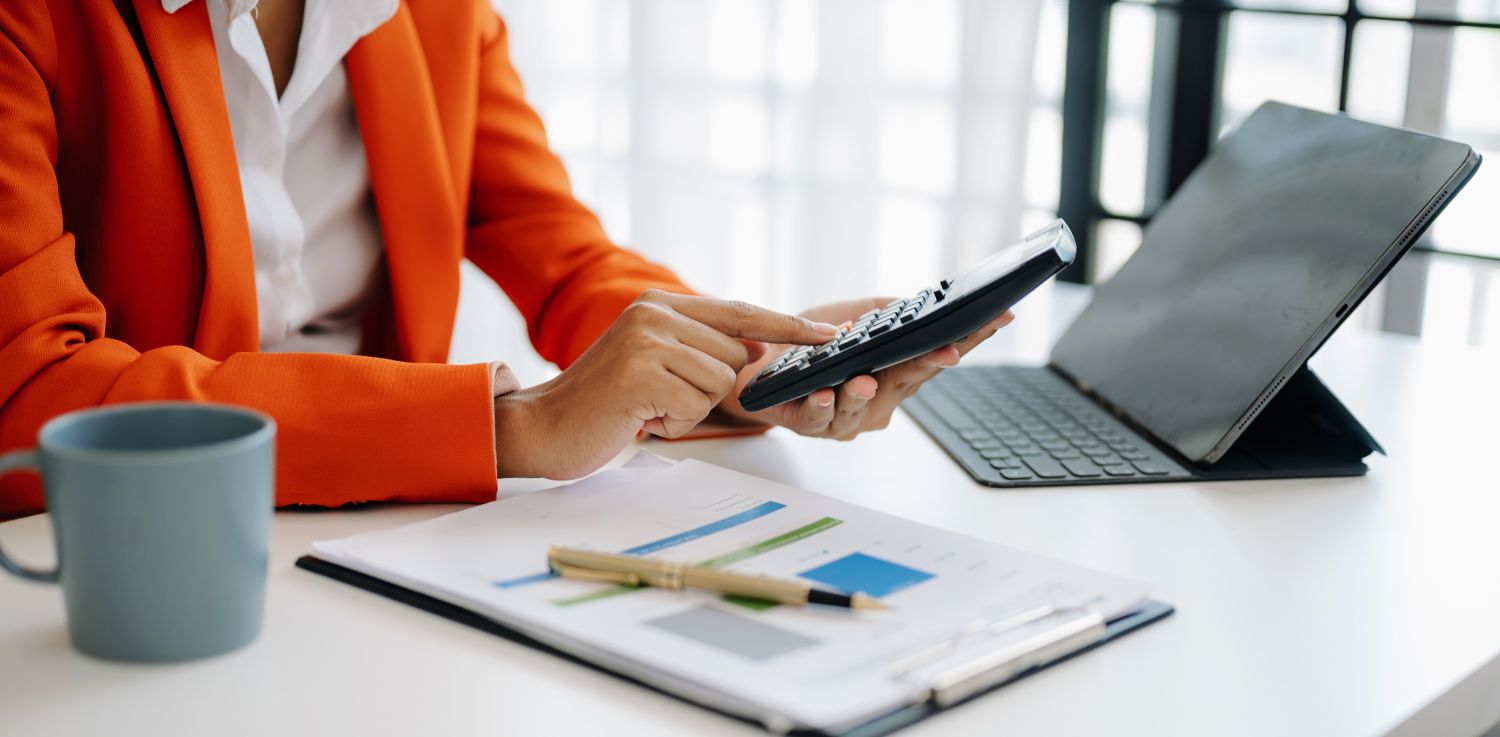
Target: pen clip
point(589, 574)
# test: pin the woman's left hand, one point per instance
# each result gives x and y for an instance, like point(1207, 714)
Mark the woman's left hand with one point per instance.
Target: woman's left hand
point(862, 403)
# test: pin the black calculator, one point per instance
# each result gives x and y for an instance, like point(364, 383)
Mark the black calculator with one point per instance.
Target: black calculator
point(907, 328)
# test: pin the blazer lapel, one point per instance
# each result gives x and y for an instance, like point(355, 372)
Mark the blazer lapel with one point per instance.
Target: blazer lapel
point(420, 219)
point(182, 52)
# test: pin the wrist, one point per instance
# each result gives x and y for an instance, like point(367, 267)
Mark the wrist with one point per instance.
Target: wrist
point(515, 423)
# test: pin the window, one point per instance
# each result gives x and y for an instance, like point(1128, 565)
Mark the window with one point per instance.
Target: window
point(794, 152)
point(1181, 73)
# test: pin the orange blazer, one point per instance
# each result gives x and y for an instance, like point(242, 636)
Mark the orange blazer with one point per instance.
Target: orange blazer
point(126, 271)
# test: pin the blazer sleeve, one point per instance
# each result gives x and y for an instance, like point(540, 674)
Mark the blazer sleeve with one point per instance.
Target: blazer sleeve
point(526, 231)
point(391, 431)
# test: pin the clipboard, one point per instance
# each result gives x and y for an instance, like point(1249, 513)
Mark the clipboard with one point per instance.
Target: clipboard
point(1077, 632)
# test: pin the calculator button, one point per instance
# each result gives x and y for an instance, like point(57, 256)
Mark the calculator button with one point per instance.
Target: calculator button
point(823, 352)
point(779, 370)
point(908, 316)
point(879, 328)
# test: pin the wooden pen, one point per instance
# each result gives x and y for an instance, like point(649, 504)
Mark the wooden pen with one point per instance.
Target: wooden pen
point(633, 570)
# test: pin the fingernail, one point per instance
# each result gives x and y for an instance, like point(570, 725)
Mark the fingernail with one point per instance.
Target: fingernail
point(825, 329)
point(943, 363)
point(821, 402)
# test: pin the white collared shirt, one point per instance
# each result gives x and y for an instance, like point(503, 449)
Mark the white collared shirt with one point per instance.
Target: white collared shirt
point(313, 228)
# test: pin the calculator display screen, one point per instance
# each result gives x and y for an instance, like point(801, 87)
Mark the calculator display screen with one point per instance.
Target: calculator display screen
point(1010, 257)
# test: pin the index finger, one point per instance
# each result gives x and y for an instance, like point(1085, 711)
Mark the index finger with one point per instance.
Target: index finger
point(746, 321)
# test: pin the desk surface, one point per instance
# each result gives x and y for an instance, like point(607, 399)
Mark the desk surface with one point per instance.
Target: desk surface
point(1364, 606)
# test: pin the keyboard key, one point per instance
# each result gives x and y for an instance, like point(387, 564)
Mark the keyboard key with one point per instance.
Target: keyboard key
point(973, 433)
point(990, 454)
point(880, 327)
point(1015, 474)
point(1151, 468)
point(1011, 462)
point(1065, 453)
point(984, 443)
point(1108, 460)
point(1081, 467)
point(1119, 470)
point(952, 414)
point(1134, 455)
point(1045, 467)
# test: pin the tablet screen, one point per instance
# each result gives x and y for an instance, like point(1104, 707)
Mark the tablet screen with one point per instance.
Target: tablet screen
point(1241, 269)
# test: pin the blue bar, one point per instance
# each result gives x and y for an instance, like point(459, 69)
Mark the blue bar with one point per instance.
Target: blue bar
point(708, 529)
point(757, 512)
point(873, 576)
point(522, 581)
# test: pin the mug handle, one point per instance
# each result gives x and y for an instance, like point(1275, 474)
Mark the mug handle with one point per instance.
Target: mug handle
point(8, 463)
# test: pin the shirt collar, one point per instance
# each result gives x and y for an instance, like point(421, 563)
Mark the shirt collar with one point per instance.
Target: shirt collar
point(236, 8)
point(363, 17)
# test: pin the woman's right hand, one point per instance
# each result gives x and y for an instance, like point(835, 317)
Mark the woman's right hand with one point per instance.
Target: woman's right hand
point(662, 367)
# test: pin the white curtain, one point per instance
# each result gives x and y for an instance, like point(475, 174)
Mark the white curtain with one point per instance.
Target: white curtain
point(791, 152)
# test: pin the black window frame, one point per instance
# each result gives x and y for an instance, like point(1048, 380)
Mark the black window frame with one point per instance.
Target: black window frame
point(1185, 127)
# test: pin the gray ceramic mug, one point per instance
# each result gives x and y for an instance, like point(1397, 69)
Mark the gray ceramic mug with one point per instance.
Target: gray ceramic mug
point(162, 515)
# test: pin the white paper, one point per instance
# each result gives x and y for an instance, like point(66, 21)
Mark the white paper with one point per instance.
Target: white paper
point(818, 667)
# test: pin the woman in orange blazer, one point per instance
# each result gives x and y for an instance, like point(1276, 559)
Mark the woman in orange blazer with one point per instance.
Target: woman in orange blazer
point(126, 268)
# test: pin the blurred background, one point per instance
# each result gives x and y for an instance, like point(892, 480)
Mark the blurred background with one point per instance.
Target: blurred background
point(795, 152)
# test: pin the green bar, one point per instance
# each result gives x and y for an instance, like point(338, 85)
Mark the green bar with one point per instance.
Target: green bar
point(763, 546)
point(756, 605)
point(595, 596)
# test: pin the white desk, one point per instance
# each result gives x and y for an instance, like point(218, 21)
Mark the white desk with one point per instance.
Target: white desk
point(1358, 607)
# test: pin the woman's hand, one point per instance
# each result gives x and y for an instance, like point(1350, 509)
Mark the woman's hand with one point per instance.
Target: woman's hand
point(864, 402)
point(662, 366)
